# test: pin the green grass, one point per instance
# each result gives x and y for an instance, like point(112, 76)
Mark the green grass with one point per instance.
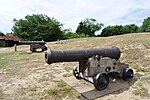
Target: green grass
point(44, 78)
point(67, 74)
point(62, 90)
point(139, 88)
point(136, 61)
point(9, 58)
point(141, 69)
point(33, 89)
point(5, 58)
point(68, 68)
point(143, 92)
point(138, 68)
point(61, 84)
point(2, 95)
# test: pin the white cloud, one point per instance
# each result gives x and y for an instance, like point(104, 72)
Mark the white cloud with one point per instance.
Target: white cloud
point(71, 12)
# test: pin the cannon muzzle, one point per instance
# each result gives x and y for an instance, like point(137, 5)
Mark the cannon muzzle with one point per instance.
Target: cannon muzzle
point(52, 56)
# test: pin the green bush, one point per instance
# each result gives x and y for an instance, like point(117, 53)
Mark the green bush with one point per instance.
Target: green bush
point(74, 35)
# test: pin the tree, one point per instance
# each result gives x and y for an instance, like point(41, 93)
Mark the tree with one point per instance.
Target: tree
point(146, 25)
point(132, 28)
point(88, 27)
point(68, 34)
point(2, 34)
point(37, 27)
point(119, 29)
point(112, 30)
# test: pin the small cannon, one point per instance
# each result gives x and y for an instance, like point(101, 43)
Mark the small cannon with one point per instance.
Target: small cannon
point(34, 45)
point(95, 63)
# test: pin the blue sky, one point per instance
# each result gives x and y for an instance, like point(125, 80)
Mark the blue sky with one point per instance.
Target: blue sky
point(71, 12)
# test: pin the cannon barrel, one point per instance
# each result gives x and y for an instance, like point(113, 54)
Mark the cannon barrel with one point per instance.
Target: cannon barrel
point(30, 42)
point(52, 56)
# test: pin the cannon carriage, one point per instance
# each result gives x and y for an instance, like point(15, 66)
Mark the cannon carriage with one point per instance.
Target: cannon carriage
point(34, 45)
point(94, 63)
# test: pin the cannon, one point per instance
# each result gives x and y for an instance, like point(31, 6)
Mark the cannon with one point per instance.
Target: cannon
point(34, 45)
point(95, 64)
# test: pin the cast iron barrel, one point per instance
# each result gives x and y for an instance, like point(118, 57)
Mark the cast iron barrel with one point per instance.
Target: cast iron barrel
point(30, 42)
point(52, 56)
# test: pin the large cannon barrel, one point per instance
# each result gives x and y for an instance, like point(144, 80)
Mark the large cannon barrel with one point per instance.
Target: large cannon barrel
point(30, 42)
point(52, 56)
